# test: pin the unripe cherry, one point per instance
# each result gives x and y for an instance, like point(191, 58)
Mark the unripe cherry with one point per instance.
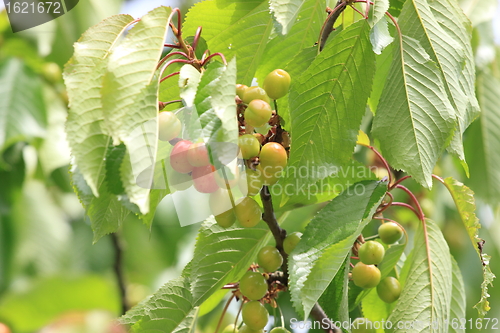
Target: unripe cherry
point(248, 212)
point(178, 157)
point(252, 93)
point(258, 113)
point(277, 83)
point(389, 289)
point(254, 315)
point(169, 126)
point(365, 276)
point(240, 90)
point(249, 146)
point(371, 253)
point(291, 241)
point(253, 286)
point(204, 179)
point(390, 232)
point(198, 155)
point(269, 258)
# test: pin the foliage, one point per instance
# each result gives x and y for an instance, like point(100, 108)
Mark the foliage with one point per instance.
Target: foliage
point(411, 80)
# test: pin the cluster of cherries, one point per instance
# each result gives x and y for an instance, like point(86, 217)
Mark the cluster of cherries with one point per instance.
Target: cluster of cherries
point(365, 273)
point(257, 288)
point(261, 157)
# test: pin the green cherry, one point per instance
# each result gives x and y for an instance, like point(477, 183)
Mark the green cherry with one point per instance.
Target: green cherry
point(252, 93)
point(249, 146)
point(291, 241)
point(258, 113)
point(255, 315)
point(269, 258)
point(248, 212)
point(277, 83)
point(371, 253)
point(389, 289)
point(390, 232)
point(253, 286)
point(169, 126)
point(365, 276)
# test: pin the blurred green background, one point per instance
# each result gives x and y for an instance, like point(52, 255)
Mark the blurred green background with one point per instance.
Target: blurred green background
point(53, 279)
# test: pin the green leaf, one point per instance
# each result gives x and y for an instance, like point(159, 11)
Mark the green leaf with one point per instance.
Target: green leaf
point(395, 7)
point(384, 61)
point(289, 196)
point(458, 301)
point(22, 107)
point(328, 239)
point(334, 300)
point(426, 295)
point(378, 11)
point(236, 28)
point(380, 36)
point(170, 309)
point(466, 206)
point(130, 102)
point(223, 255)
point(27, 309)
point(215, 103)
point(444, 32)
point(414, 108)
point(83, 74)
point(483, 140)
point(302, 36)
point(374, 308)
point(285, 12)
point(327, 104)
point(106, 212)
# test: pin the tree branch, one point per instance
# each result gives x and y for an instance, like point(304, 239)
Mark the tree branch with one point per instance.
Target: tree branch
point(279, 234)
point(117, 267)
point(319, 315)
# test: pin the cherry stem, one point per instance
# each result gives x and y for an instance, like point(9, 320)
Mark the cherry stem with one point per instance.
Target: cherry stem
point(170, 55)
point(173, 46)
point(441, 180)
point(204, 62)
point(196, 38)
point(402, 204)
point(421, 215)
point(383, 160)
point(360, 13)
point(356, 258)
point(400, 180)
point(238, 315)
point(372, 237)
point(224, 312)
point(230, 286)
point(367, 10)
point(385, 205)
point(169, 76)
point(162, 105)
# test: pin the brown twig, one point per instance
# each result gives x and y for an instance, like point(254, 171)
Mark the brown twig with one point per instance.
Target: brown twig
point(279, 234)
point(319, 315)
point(117, 267)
